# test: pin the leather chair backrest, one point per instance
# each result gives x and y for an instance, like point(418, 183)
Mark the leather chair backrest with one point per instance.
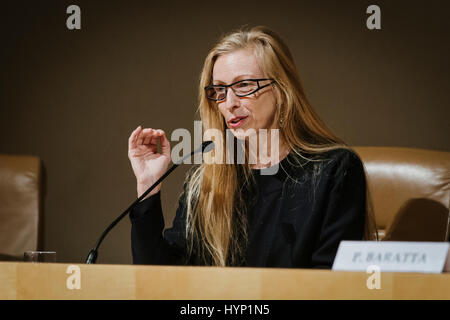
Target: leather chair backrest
point(20, 204)
point(410, 191)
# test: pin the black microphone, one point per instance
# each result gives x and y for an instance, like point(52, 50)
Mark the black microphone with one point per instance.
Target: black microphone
point(206, 146)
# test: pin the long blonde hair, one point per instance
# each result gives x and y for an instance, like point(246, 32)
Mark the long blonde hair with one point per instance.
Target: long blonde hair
point(216, 210)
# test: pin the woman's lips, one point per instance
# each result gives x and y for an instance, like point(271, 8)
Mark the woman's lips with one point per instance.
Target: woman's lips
point(236, 122)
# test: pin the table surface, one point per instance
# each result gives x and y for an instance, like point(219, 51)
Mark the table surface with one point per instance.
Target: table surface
point(20, 280)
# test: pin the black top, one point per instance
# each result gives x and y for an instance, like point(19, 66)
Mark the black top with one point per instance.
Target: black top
point(301, 215)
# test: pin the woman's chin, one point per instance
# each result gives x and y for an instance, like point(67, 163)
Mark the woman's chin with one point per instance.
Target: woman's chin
point(243, 133)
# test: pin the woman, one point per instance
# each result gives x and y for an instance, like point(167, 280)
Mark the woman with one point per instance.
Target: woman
point(235, 214)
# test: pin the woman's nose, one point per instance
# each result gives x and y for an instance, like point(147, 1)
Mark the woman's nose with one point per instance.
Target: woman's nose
point(232, 100)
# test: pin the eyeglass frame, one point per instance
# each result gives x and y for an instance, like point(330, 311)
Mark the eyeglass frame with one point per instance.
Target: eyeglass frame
point(226, 86)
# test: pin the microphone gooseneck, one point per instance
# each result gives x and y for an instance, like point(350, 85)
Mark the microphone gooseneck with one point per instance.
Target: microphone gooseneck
point(206, 146)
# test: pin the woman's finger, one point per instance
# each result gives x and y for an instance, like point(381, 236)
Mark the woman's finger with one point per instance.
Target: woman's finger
point(165, 144)
point(155, 137)
point(139, 138)
point(148, 136)
point(143, 135)
point(132, 138)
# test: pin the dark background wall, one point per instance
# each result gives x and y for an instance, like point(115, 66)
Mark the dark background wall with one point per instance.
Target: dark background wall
point(73, 97)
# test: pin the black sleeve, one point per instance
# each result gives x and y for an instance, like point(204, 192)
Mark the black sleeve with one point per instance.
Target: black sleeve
point(344, 214)
point(148, 244)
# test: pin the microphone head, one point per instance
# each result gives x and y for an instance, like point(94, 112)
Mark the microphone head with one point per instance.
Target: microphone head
point(207, 146)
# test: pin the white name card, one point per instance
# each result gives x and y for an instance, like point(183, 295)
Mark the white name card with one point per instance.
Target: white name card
point(391, 256)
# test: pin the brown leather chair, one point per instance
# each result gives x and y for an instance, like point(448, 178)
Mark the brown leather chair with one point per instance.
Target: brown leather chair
point(410, 191)
point(21, 196)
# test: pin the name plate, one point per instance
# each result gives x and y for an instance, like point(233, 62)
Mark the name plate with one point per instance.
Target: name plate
point(391, 256)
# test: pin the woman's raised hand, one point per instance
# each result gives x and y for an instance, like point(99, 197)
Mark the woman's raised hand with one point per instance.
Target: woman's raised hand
point(147, 163)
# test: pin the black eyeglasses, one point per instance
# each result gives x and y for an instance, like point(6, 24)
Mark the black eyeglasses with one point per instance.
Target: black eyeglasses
point(240, 88)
